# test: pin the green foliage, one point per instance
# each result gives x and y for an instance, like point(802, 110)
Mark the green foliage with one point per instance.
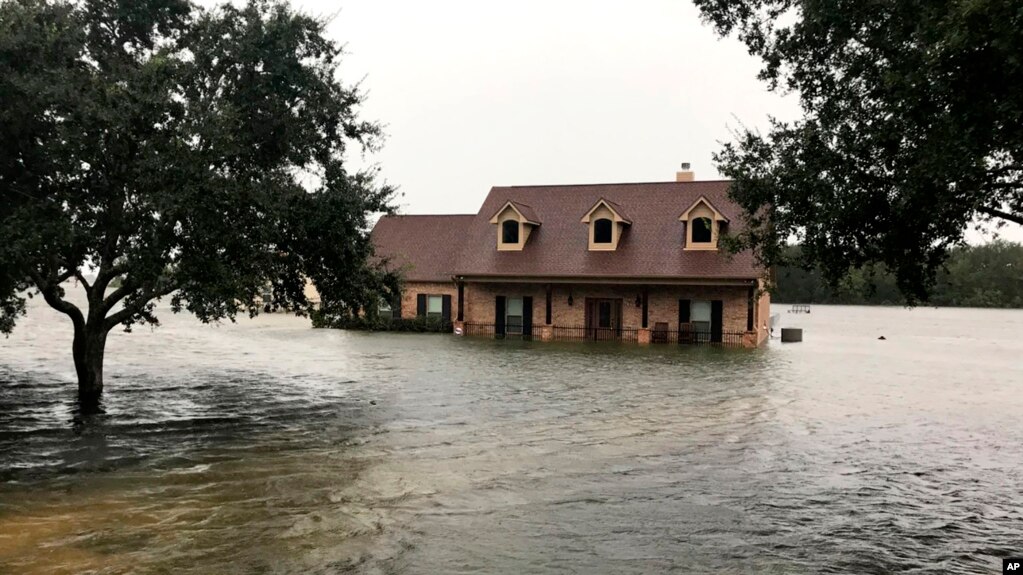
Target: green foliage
point(912, 130)
point(975, 276)
point(179, 151)
point(370, 322)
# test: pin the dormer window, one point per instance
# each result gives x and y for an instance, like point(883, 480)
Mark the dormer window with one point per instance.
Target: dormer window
point(703, 224)
point(515, 221)
point(702, 230)
point(510, 232)
point(603, 231)
point(607, 222)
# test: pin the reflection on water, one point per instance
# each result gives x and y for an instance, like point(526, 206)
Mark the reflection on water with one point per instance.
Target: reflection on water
point(268, 447)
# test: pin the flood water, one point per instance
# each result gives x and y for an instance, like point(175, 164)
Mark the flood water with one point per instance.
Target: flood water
point(270, 447)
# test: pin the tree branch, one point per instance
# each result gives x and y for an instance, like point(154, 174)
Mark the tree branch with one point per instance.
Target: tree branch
point(81, 278)
point(119, 294)
point(64, 276)
point(105, 276)
point(1006, 169)
point(134, 308)
point(1018, 218)
point(53, 298)
point(1004, 185)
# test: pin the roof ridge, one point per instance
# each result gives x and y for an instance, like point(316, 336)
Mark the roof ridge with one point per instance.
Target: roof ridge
point(617, 184)
point(425, 215)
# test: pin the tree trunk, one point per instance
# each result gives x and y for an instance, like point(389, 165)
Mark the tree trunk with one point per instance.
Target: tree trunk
point(89, 344)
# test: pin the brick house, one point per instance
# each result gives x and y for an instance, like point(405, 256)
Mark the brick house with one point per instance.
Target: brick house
point(636, 262)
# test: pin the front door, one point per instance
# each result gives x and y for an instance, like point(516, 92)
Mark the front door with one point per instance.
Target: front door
point(603, 318)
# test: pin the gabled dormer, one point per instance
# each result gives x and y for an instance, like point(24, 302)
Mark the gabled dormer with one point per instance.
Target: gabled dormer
point(606, 221)
point(703, 224)
point(514, 223)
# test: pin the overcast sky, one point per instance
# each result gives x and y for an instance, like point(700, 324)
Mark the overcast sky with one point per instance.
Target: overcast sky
point(476, 94)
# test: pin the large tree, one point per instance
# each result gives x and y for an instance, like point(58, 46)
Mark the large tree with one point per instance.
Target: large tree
point(177, 152)
point(912, 129)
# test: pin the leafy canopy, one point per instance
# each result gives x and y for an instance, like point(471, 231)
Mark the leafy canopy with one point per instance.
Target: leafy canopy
point(912, 129)
point(181, 151)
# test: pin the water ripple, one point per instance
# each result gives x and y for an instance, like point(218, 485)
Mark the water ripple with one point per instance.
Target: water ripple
point(269, 447)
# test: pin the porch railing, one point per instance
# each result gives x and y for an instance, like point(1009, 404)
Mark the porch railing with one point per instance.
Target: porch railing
point(687, 335)
point(564, 333)
point(480, 329)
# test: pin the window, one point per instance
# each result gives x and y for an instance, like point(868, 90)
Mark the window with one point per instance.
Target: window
point(510, 232)
point(602, 229)
point(384, 307)
point(702, 231)
point(604, 313)
point(700, 316)
point(513, 316)
point(514, 223)
point(435, 306)
point(606, 224)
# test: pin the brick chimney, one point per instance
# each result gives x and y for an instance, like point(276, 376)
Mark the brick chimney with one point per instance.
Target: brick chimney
point(686, 175)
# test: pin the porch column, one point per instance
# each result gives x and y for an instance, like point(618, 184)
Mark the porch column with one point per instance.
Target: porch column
point(547, 317)
point(750, 302)
point(461, 301)
point(646, 308)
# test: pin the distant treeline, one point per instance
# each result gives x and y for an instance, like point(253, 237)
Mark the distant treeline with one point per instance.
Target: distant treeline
point(990, 275)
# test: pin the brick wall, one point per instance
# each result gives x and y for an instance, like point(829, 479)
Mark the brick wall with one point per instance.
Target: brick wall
point(479, 300)
point(662, 302)
point(413, 289)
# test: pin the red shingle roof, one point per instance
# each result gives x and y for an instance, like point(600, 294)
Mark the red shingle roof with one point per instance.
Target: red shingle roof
point(652, 247)
point(424, 248)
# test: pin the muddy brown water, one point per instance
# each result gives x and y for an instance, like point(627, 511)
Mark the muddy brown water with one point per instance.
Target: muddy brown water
point(270, 447)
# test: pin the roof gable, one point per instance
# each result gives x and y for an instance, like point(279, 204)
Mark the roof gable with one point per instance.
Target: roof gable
point(616, 210)
point(526, 213)
point(703, 201)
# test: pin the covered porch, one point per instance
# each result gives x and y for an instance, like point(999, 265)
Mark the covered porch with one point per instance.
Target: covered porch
point(629, 311)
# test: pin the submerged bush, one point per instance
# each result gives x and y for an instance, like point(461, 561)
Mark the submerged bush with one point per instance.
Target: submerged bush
point(366, 323)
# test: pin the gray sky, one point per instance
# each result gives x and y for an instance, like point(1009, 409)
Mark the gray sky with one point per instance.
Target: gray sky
point(476, 94)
